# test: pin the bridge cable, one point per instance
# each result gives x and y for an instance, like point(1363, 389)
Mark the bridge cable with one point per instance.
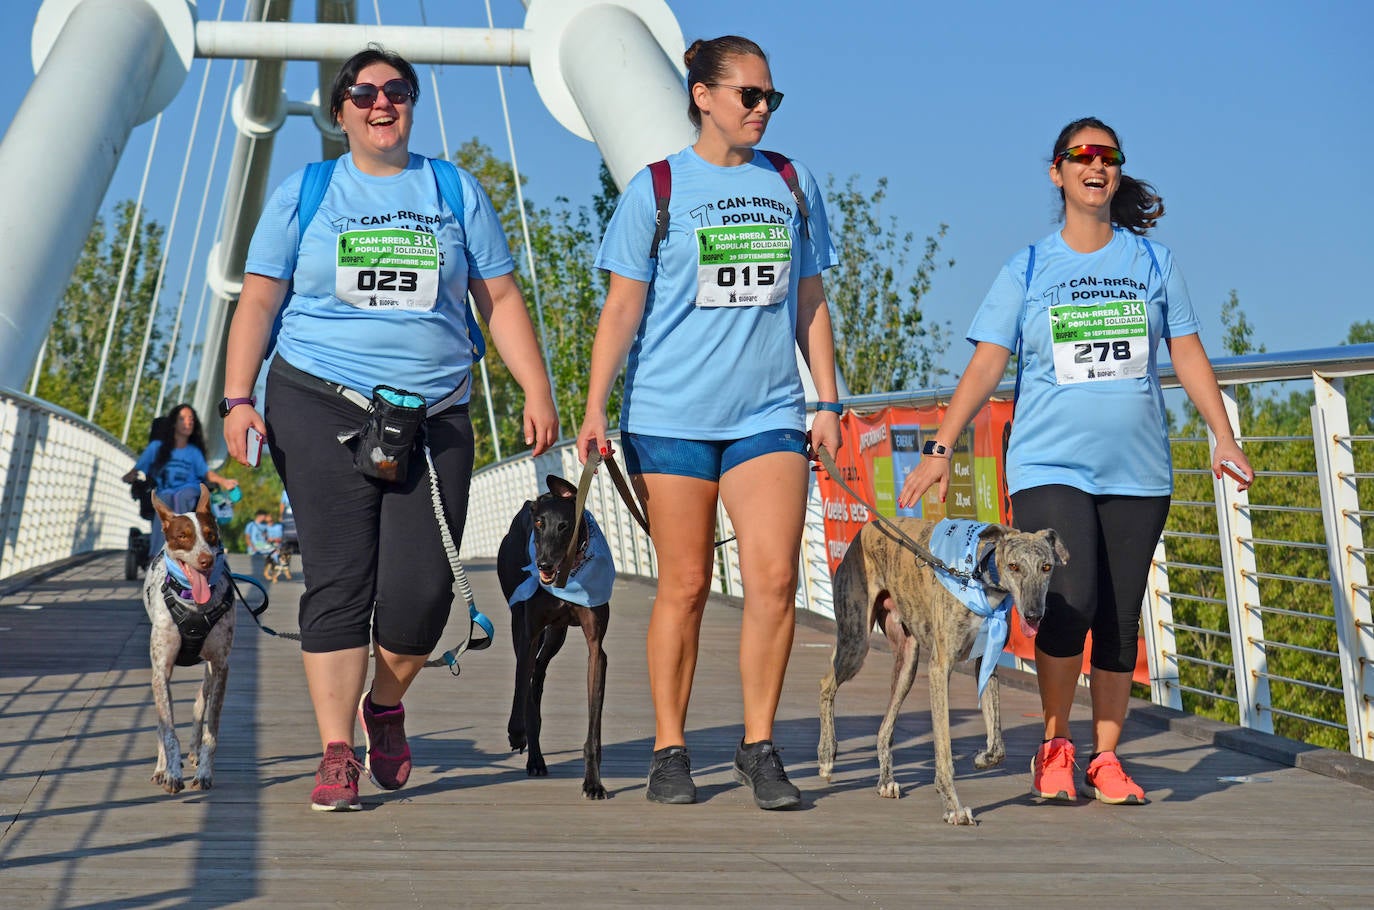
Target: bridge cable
point(134, 223)
point(167, 246)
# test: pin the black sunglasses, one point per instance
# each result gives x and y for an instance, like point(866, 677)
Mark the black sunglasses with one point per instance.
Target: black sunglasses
point(364, 94)
point(750, 96)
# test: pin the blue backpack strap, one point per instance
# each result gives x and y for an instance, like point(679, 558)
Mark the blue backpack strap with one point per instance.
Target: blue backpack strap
point(1149, 248)
point(1030, 270)
point(662, 176)
point(451, 189)
point(783, 165)
point(314, 183)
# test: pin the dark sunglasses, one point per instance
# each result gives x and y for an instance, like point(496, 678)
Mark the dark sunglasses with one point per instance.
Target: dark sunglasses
point(364, 94)
point(750, 96)
point(1084, 154)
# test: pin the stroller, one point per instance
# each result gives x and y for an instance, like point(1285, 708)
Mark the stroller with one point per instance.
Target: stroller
point(140, 541)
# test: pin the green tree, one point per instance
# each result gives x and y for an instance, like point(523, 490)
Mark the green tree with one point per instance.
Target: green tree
point(883, 340)
point(72, 353)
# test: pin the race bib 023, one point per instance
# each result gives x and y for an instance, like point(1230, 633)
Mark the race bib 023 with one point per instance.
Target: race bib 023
point(743, 265)
point(387, 268)
point(1107, 340)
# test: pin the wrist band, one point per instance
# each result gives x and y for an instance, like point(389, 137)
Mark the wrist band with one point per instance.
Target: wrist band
point(833, 407)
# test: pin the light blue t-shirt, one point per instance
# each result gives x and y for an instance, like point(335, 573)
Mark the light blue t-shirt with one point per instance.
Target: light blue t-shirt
point(184, 470)
point(375, 239)
point(1091, 414)
point(726, 370)
point(258, 535)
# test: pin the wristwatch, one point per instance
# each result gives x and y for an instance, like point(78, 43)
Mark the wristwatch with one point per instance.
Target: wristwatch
point(934, 448)
point(228, 404)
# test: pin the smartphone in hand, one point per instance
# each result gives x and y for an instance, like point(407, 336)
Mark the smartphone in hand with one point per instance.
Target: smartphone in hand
point(253, 450)
point(1230, 467)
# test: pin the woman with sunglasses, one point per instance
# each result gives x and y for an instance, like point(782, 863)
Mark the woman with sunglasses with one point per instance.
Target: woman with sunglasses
point(714, 403)
point(1085, 308)
point(374, 291)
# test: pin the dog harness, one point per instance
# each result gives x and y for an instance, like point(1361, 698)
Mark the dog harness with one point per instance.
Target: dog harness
point(955, 543)
point(589, 582)
point(193, 624)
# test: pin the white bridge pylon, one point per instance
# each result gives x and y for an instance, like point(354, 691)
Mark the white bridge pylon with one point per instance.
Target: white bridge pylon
point(109, 65)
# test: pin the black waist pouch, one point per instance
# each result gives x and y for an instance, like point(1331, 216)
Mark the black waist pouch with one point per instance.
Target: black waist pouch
point(382, 448)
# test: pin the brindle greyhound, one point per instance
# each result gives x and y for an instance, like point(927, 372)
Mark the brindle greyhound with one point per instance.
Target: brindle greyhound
point(539, 624)
point(882, 583)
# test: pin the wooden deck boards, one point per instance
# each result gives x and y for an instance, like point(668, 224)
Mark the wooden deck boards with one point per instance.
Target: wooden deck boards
point(82, 827)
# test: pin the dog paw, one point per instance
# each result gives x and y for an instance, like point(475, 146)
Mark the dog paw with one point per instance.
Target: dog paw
point(988, 759)
point(201, 783)
point(889, 790)
point(168, 782)
point(536, 768)
point(593, 791)
point(960, 816)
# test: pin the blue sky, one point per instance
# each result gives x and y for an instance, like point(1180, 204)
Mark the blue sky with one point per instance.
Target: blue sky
point(1253, 120)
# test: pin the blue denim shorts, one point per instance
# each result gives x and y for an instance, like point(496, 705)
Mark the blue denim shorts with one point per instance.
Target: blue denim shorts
point(707, 459)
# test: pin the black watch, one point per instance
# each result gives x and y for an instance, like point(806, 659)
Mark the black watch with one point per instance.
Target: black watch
point(934, 448)
point(228, 404)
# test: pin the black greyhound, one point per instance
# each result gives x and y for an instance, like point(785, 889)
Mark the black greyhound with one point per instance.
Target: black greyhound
point(539, 620)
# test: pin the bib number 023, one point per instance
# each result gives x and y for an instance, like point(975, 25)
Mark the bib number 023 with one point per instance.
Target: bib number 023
point(387, 280)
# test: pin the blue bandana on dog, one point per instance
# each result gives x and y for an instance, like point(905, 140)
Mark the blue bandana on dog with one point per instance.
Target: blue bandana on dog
point(183, 584)
point(955, 543)
point(589, 582)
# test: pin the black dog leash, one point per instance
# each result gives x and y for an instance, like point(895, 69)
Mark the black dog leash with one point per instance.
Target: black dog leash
point(257, 612)
point(888, 526)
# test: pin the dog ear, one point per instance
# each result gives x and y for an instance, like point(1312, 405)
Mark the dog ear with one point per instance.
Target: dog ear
point(561, 487)
point(1061, 552)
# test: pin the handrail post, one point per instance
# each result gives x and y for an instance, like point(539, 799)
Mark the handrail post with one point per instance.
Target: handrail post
point(1345, 552)
point(1236, 537)
point(1157, 626)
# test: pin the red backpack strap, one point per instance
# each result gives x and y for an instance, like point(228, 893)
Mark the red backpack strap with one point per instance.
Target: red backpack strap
point(783, 165)
point(663, 191)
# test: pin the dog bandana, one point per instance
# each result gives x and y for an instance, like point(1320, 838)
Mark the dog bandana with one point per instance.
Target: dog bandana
point(955, 543)
point(181, 582)
point(589, 582)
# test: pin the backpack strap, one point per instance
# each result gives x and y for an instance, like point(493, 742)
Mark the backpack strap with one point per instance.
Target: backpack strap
point(663, 191)
point(783, 165)
point(451, 189)
point(1149, 248)
point(1030, 270)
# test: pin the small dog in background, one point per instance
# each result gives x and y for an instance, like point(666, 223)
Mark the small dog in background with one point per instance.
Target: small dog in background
point(189, 599)
point(882, 583)
point(532, 556)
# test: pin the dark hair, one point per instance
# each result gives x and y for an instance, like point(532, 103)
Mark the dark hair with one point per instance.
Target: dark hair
point(164, 430)
point(1136, 206)
point(707, 62)
point(348, 75)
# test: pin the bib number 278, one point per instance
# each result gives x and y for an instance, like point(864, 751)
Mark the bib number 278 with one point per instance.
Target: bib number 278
point(1097, 351)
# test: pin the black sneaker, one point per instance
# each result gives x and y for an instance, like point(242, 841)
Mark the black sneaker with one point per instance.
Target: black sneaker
point(670, 777)
point(758, 767)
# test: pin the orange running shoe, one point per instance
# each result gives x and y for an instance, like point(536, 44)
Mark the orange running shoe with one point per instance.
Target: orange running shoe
point(1108, 782)
point(1052, 770)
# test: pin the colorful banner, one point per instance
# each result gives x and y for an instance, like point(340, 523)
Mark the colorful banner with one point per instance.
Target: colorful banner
point(880, 448)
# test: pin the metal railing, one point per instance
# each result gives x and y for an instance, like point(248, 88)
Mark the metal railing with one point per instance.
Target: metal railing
point(1226, 616)
point(1258, 606)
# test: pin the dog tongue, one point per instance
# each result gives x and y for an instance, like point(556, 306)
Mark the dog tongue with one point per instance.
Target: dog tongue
point(200, 586)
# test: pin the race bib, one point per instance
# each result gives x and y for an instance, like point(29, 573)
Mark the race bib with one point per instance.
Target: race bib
point(743, 265)
point(1108, 340)
point(387, 269)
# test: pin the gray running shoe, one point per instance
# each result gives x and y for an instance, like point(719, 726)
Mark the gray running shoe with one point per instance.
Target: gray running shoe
point(670, 777)
point(758, 767)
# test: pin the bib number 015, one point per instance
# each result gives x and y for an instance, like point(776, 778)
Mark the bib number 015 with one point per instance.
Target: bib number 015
point(761, 275)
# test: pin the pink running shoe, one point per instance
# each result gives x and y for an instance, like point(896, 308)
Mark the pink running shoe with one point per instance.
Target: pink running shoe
point(1052, 770)
point(1106, 781)
point(384, 736)
point(336, 780)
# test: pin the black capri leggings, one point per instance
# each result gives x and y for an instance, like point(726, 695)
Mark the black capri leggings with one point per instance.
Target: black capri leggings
point(1111, 540)
point(373, 559)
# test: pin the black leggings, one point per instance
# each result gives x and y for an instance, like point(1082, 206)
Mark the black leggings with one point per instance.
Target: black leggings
point(1111, 541)
point(373, 559)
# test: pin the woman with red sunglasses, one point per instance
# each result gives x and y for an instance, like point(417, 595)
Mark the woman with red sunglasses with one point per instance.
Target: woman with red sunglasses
point(710, 315)
point(1085, 309)
point(373, 293)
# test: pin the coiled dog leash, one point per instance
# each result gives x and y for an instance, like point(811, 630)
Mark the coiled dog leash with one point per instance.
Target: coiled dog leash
point(460, 581)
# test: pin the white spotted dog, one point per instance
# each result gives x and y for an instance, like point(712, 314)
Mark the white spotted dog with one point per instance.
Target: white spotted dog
point(189, 598)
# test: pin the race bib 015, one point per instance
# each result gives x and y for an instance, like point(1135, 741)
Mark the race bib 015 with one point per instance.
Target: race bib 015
point(388, 269)
point(743, 265)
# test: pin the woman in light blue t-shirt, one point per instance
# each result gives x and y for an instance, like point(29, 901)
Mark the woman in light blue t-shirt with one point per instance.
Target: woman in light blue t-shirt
point(710, 319)
point(1088, 456)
